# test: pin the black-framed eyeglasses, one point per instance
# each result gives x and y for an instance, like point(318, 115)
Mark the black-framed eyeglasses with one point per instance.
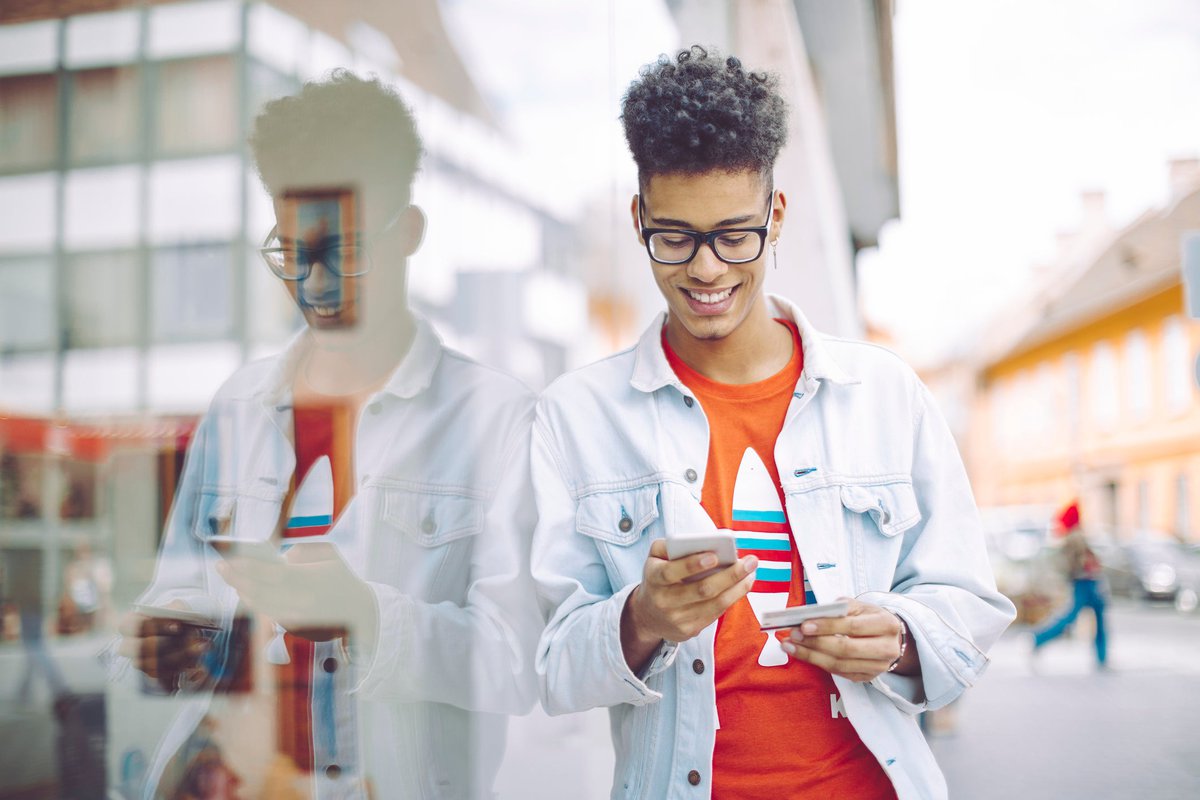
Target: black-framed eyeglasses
point(345, 258)
point(731, 245)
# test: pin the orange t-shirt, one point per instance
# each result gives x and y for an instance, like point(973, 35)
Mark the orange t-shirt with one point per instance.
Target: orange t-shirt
point(782, 729)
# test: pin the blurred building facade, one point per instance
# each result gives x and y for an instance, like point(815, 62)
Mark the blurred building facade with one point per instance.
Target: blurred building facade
point(130, 214)
point(1087, 391)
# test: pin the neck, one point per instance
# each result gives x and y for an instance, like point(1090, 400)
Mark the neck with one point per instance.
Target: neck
point(755, 350)
point(346, 363)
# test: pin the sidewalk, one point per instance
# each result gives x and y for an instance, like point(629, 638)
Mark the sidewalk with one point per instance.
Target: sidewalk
point(1066, 730)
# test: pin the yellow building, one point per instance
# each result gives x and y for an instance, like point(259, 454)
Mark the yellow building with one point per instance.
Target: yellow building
point(1094, 394)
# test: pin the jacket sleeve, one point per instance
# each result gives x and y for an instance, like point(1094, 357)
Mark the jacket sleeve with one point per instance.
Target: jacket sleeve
point(944, 587)
point(580, 663)
point(478, 654)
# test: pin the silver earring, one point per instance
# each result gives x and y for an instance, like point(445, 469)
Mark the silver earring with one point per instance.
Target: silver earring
point(775, 253)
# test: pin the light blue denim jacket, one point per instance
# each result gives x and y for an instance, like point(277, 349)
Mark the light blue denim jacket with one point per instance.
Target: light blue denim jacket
point(438, 528)
point(880, 509)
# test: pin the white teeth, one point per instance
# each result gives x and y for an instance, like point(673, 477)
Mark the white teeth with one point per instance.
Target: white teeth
point(325, 311)
point(710, 298)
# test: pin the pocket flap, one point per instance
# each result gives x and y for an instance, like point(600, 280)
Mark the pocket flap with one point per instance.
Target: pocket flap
point(618, 517)
point(214, 514)
point(893, 506)
point(432, 519)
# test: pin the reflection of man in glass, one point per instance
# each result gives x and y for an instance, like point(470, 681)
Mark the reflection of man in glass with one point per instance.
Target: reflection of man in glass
point(365, 495)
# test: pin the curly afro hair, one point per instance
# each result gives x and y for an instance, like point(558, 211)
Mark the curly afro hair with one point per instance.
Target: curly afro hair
point(342, 130)
point(703, 112)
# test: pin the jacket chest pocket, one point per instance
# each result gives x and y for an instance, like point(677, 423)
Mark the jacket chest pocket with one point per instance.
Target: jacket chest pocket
point(424, 544)
point(875, 515)
point(622, 524)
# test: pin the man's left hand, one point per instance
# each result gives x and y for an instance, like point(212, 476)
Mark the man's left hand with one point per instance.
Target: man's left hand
point(313, 594)
point(859, 646)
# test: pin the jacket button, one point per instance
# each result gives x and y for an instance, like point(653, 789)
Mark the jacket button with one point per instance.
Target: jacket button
point(691, 475)
point(333, 771)
point(694, 778)
point(329, 665)
point(428, 526)
point(687, 401)
point(698, 667)
point(626, 524)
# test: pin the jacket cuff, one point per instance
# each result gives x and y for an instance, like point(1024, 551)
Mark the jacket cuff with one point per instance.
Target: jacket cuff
point(950, 662)
point(381, 658)
point(639, 693)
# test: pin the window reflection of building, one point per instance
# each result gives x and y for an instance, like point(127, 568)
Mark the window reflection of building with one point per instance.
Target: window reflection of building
point(105, 115)
point(29, 115)
point(104, 297)
point(195, 106)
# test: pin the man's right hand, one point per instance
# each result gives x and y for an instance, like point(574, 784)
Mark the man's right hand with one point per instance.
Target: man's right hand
point(664, 608)
point(163, 649)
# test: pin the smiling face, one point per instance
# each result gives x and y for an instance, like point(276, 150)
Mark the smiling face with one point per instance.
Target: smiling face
point(707, 298)
point(335, 232)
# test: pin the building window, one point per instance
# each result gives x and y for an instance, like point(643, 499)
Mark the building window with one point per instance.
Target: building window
point(1177, 369)
point(1143, 505)
point(1137, 374)
point(1183, 512)
point(28, 122)
point(193, 298)
point(1104, 386)
point(26, 305)
point(196, 109)
point(20, 486)
point(104, 300)
point(105, 121)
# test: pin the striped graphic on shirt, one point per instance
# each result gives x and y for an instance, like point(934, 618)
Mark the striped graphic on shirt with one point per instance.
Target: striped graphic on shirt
point(761, 528)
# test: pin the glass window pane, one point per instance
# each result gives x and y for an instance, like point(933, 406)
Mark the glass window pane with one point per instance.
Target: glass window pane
point(105, 115)
point(20, 486)
point(104, 299)
point(28, 121)
point(196, 106)
point(192, 293)
point(26, 304)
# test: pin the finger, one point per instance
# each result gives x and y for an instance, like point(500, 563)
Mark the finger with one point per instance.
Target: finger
point(873, 621)
point(717, 584)
point(133, 625)
point(854, 669)
point(658, 549)
point(875, 648)
point(311, 553)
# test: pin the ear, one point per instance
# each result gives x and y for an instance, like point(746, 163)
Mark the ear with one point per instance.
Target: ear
point(412, 227)
point(778, 212)
point(637, 223)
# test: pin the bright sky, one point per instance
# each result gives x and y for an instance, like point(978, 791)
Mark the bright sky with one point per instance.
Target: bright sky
point(554, 72)
point(1007, 110)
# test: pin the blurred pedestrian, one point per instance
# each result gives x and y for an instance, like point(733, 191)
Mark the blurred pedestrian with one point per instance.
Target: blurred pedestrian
point(1083, 568)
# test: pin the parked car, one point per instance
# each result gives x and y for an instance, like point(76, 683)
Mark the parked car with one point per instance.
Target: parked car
point(1187, 598)
point(1025, 563)
point(1146, 567)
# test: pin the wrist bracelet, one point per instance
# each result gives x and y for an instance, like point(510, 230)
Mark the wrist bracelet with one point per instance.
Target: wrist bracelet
point(903, 641)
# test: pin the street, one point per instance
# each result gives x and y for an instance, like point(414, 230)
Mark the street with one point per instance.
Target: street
point(1067, 731)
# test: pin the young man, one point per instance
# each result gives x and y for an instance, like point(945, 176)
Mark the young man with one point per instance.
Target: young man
point(400, 623)
point(825, 457)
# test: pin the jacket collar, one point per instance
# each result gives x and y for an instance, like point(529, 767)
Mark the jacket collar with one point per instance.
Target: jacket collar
point(411, 377)
point(651, 370)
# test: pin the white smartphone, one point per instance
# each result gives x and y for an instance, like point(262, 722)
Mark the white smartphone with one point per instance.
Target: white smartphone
point(722, 543)
point(793, 615)
point(176, 614)
point(233, 547)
